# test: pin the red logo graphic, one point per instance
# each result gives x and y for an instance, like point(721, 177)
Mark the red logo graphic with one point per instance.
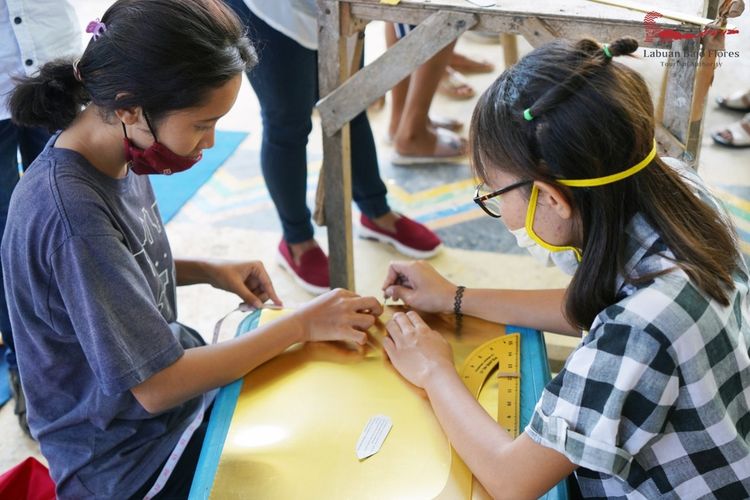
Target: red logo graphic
point(653, 32)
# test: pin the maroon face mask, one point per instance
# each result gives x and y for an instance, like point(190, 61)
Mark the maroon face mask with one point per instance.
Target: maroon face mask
point(157, 158)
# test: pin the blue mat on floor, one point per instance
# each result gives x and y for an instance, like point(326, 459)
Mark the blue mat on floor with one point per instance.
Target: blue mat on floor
point(4, 378)
point(173, 191)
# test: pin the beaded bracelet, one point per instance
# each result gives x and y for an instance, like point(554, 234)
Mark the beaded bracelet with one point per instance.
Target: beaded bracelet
point(457, 301)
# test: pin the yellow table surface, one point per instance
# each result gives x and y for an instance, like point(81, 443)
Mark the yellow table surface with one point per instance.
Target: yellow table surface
point(299, 416)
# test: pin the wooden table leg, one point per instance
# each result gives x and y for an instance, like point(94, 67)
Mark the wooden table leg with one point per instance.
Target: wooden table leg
point(510, 49)
point(678, 98)
point(332, 70)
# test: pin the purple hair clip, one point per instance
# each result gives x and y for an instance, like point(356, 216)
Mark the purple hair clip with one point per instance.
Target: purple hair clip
point(96, 28)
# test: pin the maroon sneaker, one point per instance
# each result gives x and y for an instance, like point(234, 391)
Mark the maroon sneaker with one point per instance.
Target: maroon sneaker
point(411, 238)
point(312, 271)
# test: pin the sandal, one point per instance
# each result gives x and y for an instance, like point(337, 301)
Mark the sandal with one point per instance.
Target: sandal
point(739, 101)
point(454, 85)
point(736, 135)
point(440, 121)
point(449, 148)
point(468, 65)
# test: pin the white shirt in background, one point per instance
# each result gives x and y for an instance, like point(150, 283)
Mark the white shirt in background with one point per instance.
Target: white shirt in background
point(297, 19)
point(34, 32)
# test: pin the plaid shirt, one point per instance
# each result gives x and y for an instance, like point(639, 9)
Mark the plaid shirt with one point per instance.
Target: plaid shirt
point(655, 401)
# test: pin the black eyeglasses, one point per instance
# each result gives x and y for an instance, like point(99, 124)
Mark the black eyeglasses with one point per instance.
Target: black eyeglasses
point(490, 201)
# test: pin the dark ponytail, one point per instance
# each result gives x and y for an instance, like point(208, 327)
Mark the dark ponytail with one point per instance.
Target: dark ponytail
point(51, 99)
point(593, 117)
point(591, 58)
point(161, 55)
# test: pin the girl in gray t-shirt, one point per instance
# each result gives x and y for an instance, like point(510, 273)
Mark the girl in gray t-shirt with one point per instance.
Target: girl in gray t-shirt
point(111, 380)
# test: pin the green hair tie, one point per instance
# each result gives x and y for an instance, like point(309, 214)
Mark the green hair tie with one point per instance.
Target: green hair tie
point(527, 114)
point(605, 48)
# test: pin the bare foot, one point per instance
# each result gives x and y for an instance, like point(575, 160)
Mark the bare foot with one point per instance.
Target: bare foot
point(434, 121)
point(468, 65)
point(426, 143)
point(454, 85)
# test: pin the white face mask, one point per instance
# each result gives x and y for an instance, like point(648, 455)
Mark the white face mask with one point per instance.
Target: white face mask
point(523, 240)
point(565, 260)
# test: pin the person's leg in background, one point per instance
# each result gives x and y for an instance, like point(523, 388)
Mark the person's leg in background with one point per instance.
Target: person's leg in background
point(30, 142)
point(736, 134)
point(378, 221)
point(285, 82)
point(8, 178)
point(416, 139)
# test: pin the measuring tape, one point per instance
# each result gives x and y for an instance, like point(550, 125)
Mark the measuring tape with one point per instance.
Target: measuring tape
point(503, 354)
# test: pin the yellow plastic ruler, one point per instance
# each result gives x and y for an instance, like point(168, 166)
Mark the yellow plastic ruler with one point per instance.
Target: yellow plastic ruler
point(500, 356)
point(503, 354)
point(509, 384)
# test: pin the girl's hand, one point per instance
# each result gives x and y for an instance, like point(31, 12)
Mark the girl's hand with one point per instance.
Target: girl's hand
point(249, 280)
point(416, 350)
point(420, 286)
point(338, 315)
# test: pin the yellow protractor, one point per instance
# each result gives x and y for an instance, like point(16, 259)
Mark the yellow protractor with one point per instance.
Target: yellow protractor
point(501, 355)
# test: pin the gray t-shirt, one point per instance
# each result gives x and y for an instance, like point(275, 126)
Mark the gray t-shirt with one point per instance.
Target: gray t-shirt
point(90, 284)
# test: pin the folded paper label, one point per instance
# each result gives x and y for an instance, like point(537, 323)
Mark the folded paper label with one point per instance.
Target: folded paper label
point(373, 435)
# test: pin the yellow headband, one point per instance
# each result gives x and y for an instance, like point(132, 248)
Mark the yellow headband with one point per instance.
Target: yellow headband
point(608, 179)
point(597, 181)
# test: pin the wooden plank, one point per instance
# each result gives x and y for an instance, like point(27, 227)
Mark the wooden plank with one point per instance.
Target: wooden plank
point(704, 77)
point(602, 31)
point(336, 172)
point(354, 96)
point(511, 22)
point(668, 13)
point(536, 32)
point(570, 10)
point(357, 50)
point(668, 145)
point(678, 97)
point(711, 8)
point(510, 49)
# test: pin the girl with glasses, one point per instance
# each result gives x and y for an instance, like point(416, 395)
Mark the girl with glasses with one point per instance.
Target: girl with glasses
point(653, 402)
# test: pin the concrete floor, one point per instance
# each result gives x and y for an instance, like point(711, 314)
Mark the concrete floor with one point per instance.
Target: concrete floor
point(200, 306)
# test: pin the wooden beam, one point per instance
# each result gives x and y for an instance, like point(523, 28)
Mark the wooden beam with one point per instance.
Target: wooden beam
point(336, 181)
point(678, 97)
point(341, 105)
point(510, 49)
point(511, 22)
point(536, 32)
point(667, 144)
point(668, 13)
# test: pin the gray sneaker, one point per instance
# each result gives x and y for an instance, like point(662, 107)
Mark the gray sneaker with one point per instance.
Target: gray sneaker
point(15, 387)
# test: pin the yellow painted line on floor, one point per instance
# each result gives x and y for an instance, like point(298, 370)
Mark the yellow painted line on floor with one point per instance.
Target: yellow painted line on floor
point(733, 199)
point(453, 188)
point(741, 224)
point(454, 219)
